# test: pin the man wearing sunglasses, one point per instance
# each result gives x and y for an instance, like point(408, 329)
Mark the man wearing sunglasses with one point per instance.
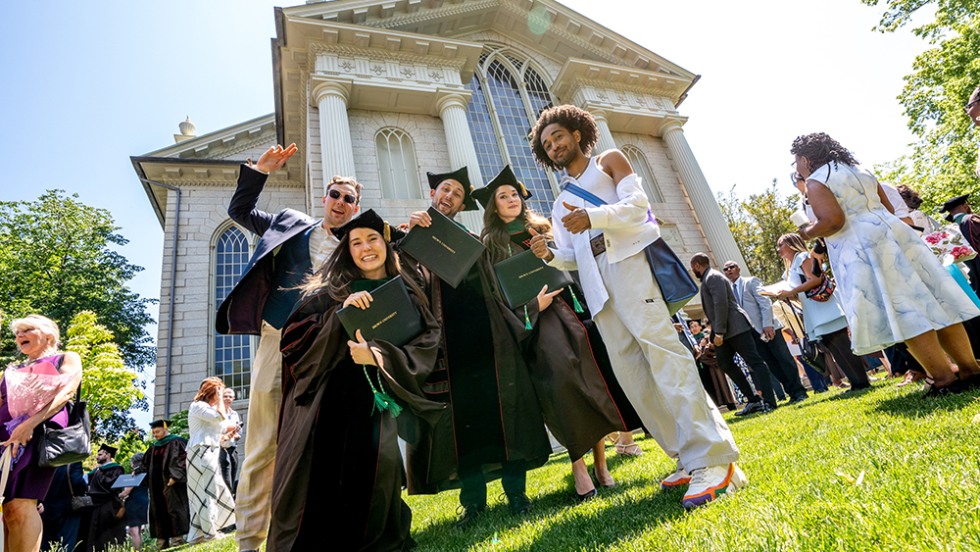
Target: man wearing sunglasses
point(291, 245)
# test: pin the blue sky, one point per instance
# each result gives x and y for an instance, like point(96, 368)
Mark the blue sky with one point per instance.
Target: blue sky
point(88, 84)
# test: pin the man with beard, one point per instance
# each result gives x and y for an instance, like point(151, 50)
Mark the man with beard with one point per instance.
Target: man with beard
point(291, 245)
point(604, 239)
point(105, 526)
point(495, 428)
point(165, 463)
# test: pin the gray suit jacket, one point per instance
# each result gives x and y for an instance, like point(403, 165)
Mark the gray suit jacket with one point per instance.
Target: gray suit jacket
point(718, 301)
point(756, 306)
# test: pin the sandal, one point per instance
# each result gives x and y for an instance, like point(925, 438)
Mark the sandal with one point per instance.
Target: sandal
point(631, 449)
point(958, 386)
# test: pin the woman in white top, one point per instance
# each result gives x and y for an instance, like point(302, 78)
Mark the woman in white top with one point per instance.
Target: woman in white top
point(211, 504)
point(892, 288)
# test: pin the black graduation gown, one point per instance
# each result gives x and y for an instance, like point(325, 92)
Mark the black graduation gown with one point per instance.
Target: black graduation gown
point(575, 397)
point(339, 474)
point(169, 510)
point(104, 527)
point(493, 416)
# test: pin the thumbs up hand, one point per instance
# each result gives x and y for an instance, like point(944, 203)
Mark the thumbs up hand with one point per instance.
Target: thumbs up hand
point(539, 245)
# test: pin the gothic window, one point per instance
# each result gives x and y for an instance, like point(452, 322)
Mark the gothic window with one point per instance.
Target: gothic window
point(232, 354)
point(642, 169)
point(397, 166)
point(508, 95)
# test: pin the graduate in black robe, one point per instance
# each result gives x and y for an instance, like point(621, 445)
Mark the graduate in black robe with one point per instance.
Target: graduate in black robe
point(495, 427)
point(339, 473)
point(575, 396)
point(165, 462)
point(106, 527)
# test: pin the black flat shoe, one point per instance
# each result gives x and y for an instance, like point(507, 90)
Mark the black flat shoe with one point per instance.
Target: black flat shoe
point(520, 504)
point(469, 515)
point(958, 386)
point(587, 496)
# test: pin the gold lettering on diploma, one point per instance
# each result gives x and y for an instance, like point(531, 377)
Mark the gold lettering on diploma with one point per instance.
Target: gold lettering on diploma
point(440, 242)
point(383, 320)
point(526, 274)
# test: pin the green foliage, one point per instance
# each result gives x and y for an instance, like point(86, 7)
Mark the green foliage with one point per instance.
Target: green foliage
point(135, 440)
point(756, 223)
point(56, 258)
point(107, 385)
point(178, 425)
point(944, 158)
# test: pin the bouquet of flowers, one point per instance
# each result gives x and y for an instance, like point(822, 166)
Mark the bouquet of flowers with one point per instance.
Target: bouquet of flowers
point(949, 245)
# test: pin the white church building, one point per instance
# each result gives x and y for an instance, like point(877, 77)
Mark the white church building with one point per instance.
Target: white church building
point(385, 90)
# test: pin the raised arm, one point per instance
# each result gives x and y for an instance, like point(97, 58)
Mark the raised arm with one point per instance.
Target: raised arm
point(251, 180)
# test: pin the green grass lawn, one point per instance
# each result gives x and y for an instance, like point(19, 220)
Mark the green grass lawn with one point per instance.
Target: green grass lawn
point(879, 470)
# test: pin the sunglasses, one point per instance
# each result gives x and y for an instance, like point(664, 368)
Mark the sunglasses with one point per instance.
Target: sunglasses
point(970, 105)
point(729, 268)
point(348, 198)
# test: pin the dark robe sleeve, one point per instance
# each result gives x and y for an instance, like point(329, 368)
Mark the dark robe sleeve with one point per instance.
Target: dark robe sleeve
point(312, 341)
point(177, 461)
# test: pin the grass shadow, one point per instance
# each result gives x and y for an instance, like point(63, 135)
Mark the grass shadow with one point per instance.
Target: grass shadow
point(914, 405)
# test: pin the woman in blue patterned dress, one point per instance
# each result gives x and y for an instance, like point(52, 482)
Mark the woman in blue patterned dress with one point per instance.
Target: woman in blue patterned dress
point(892, 288)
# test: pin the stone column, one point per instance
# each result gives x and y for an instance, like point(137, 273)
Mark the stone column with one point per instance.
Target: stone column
point(336, 151)
point(462, 152)
point(605, 141)
point(713, 223)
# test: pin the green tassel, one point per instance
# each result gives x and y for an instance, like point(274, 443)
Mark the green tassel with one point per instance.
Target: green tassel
point(382, 401)
point(527, 320)
point(575, 304)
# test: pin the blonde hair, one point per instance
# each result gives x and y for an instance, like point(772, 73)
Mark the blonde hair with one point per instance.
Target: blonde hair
point(41, 323)
point(794, 242)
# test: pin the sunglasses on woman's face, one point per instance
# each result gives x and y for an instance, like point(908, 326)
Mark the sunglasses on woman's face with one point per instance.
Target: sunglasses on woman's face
point(348, 198)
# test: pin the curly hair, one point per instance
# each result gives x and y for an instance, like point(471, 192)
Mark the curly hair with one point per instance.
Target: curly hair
point(570, 117)
point(910, 196)
point(495, 235)
point(820, 149)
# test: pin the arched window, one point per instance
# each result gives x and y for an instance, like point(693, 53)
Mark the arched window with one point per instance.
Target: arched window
point(642, 169)
point(508, 95)
point(397, 167)
point(232, 359)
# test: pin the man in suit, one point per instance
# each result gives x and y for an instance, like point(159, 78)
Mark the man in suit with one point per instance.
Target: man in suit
point(768, 335)
point(732, 333)
point(291, 246)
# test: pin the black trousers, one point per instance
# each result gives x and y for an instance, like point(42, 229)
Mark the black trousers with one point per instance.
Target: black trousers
point(839, 345)
point(474, 484)
point(781, 363)
point(744, 346)
point(228, 458)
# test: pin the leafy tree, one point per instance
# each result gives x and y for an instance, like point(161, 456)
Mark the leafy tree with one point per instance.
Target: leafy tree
point(56, 258)
point(108, 387)
point(944, 158)
point(179, 425)
point(756, 223)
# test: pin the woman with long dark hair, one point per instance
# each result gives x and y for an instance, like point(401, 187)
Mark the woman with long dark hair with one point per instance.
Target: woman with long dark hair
point(893, 289)
point(339, 470)
point(576, 396)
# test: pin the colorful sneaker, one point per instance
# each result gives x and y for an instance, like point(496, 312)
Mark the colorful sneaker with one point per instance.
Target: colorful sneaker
point(677, 479)
point(710, 483)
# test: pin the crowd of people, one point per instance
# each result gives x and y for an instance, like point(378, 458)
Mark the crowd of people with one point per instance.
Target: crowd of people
point(480, 387)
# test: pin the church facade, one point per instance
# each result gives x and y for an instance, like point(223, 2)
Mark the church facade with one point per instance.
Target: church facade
point(384, 91)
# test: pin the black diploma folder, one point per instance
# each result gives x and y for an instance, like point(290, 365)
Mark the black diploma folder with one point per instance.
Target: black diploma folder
point(392, 316)
point(522, 276)
point(444, 248)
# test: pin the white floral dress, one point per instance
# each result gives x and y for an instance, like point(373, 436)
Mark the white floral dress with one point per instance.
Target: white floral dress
point(890, 284)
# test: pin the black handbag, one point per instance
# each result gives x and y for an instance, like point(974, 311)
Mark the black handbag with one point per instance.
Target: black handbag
point(60, 446)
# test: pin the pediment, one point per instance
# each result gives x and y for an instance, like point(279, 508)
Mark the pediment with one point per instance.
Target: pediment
point(544, 25)
point(234, 143)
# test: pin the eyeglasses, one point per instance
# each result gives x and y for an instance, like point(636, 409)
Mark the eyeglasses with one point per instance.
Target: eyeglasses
point(971, 104)
point(348, 198)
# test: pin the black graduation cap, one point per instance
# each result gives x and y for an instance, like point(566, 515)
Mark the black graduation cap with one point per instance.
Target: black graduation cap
point(370, 219)
point(506, 176)
point(954, 203)
point(110, 449)
point(159, 423)
point(460, 175)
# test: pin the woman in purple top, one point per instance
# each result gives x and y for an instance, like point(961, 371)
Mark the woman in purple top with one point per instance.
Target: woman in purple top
point(32, 393)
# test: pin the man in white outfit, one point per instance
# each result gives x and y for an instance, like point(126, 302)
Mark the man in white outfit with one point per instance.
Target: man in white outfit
point(605, 243)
